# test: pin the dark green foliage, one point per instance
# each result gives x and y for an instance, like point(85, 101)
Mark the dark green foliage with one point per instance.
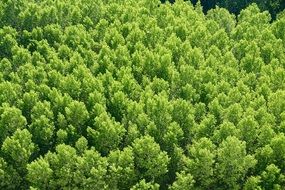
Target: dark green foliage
point(235, 6)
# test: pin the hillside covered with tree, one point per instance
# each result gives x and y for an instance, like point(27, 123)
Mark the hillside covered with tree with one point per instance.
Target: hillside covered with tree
point(140, 95)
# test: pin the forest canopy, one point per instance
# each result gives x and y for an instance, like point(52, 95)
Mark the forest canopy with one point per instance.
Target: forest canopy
point(235, 6)
point(140, 95)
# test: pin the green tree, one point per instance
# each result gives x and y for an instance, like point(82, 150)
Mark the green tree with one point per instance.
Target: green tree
point(151, 163)
point(18, 148)
point(11, 119)
point(272, 178)
point(143, 185)
point(40, 174)
point(232, 166)
point(121, 169)
point(200, 163)
point(9, 177)
point(107, 134)
point(183, 181)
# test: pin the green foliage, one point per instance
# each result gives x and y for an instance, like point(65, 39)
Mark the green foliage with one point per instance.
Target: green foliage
point(138, 94)
point(145, 186)
point(18, 148)
point(273, 6)
point(183, 181)
point(233, 165)
point(150, 161)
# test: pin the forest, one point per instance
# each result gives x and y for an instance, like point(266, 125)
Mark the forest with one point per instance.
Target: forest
point(235, 6)
point(141, 95)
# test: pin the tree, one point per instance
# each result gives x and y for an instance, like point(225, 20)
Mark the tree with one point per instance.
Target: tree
point(9, 177)
point(248, 129)
point(121, 171)
point(11, 92)
point(40, 174)
point(200, 164)
point(11, 119)
point(17, 151)
point(223, 18)
point(183, 181)
point(232, 166)
point(143, 185)
point(278, 146)
point(253, 183)
point(272, 178)
point(42, 126)
point(151, 162)
point(107, 134)
point(18, 148)
point(77, 115)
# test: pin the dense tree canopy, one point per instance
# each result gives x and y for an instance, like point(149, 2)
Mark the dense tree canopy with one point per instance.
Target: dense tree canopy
point(136, 94)
point(235, 6)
